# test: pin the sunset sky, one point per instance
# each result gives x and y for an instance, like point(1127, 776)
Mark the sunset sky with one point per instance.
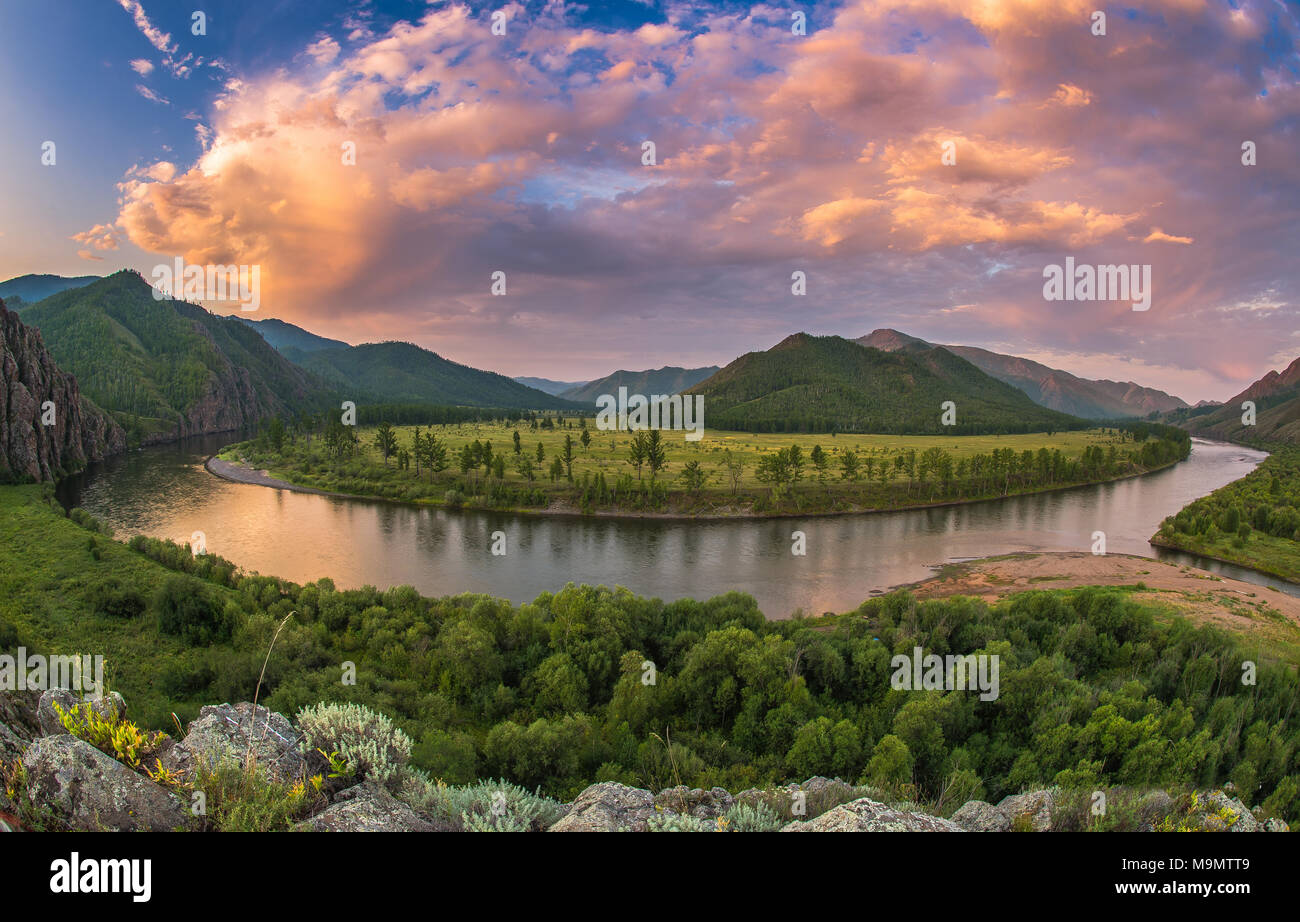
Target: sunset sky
point(775, 152)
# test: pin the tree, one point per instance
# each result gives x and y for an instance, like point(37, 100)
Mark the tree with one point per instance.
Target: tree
point(519, 447)
point(693, 476)
point(636, 452)
point(275, 434)
point(849, 467)
point(820, 462)
point(568, 457)
point(586, 436)
point(524, 467)
point(734, 466)
point(385, 441)
point(541, 453)
point(557, 469)
point(656, 454)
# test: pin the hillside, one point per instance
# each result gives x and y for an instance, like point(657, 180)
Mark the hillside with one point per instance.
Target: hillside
point(167, 369)
point(32, 288)
point(546, 385)
point(29, 449)
point(394, 372)
point(1277, 412)
point(291, 340)
point(1048, 387)
point(667, 380)
point(828, 383)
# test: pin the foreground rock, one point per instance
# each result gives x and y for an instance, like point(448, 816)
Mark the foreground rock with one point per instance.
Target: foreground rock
point(609, 807)
point(230, 734)
point(1034, 809)
point(367, 807)
point(866, 815)
point(978, 816)
point(110, 706)
point(87, 790)
point(18, 723)
point(696, 802)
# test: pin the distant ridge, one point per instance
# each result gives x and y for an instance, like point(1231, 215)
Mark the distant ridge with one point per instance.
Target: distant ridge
point(546, 385)
point(1277, 412)
point(33, 288)
point(285, 336)
point(670, 379)
point(1048, 387)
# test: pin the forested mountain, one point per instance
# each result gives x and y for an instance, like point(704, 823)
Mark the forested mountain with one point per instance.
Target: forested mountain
point(667, 380)
point(394, 372)
point(34, 446)
point(1049, 387)
point(167, 369)
point(828, 383)
point(546, 385)
point(290, 340)
point(1277, 412)
point(29, 289)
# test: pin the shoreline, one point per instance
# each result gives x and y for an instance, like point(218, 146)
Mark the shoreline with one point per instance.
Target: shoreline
point(239, 473)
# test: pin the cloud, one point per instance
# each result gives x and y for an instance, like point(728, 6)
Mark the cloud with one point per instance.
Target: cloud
point(99, 237)
point(151, 95)
point(523, 153)
point(162, 41)
point(1157, 235)
point(142, 66)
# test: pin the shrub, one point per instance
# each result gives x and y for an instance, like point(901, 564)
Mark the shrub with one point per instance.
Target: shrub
point(757, 817)
point(189, 611)
point(485, 806)
point(374, 746)
point(678, 822)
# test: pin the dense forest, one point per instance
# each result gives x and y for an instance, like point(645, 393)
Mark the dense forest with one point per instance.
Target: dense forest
point(831, 384)
point(590, 683)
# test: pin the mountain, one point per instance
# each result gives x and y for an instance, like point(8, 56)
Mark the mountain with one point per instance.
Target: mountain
point(32, 288)
point(394, 372)
point(1277, 412)
point(80, 432)
point(828, 383)
point(167, 369)
point(290, 340)
point(1048, 387)
point(667, 380)
point(546, 385)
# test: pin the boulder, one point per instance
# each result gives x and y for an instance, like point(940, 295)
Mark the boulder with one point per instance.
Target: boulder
point(608, 807)
point(979, 816)
point(1036, 807)
point(18, 722)
point(705, 805)
point(87, 790)
point(229, 734)
point(866, 815)
point(110, 706)
point(1217, 812)
point(367, 807)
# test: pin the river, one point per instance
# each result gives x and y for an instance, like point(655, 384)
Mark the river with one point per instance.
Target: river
point(165, 492)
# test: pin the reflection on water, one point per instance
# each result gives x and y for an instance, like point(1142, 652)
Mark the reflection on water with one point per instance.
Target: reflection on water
point(165, 492)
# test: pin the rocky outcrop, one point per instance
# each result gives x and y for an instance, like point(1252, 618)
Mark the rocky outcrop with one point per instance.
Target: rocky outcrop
point(79, 432)
point(866, 815)
point(978, 816)
point(19, 724)
point(609, 807)
point(86, 789)
point(231, 734)
point(367, 807)
point(701, 804)
point(110, 706)
point(1034, 809)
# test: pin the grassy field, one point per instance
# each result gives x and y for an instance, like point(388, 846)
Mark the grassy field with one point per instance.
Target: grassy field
point(366, 474)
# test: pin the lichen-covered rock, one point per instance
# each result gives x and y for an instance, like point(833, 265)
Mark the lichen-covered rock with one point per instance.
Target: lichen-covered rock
point(705, 805)
point(87, 790)
point(979, 816)
point(866, 815)
point(367, 807)
point(1034, 807)
point(1217, 812)
point(230, 734)
point(111, 705)
point(608, 807)
point(18, 722)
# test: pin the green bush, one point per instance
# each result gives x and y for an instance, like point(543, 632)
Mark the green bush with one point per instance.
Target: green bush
point(374, 746)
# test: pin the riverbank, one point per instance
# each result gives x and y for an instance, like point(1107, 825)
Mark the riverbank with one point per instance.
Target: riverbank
point(1200, 596)
point(243, 473)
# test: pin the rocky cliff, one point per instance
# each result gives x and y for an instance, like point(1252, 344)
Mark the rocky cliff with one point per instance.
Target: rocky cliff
point(49, 428)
